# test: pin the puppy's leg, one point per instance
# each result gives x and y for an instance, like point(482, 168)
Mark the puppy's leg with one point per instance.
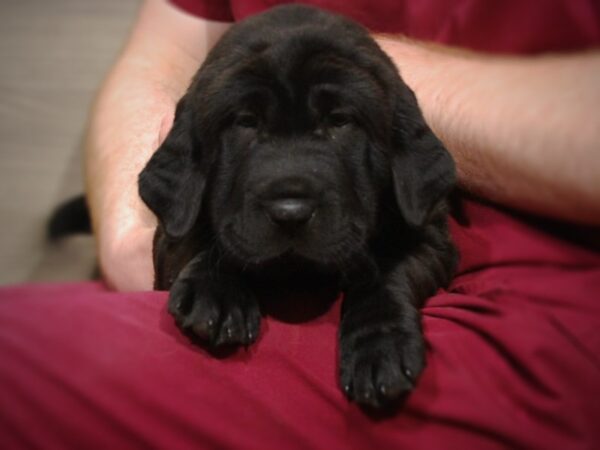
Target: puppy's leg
point(381, 346)
point(382, 351)
point(214, 305)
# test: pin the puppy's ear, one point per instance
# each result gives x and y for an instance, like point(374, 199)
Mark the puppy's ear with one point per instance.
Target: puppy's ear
point(423, 170)
point(172, 182)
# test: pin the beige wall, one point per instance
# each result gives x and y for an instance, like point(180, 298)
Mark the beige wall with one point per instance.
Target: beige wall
point(53, 55)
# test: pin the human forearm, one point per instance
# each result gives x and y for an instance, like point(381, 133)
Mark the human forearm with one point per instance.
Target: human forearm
point(132, 113)
point(123, 133)
point(523, 131)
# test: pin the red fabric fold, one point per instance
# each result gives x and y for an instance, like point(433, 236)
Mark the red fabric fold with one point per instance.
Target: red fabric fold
point(512, 363)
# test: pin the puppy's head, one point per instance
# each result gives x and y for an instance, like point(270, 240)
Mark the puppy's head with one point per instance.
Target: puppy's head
point(291, 139)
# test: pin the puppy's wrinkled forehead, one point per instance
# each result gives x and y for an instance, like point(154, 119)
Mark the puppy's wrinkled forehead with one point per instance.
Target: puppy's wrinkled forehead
point(303, 72)
point(325, 76)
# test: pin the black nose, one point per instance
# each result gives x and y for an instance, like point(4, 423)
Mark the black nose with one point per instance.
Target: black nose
point(290, 211)
point(290, 201)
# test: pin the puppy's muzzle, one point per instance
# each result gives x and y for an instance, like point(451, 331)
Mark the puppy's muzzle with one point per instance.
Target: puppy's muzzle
point(290, 202)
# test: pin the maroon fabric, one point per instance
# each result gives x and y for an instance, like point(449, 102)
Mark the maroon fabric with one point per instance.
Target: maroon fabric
point(513, 363)
point(513, 357)
point(486, 25)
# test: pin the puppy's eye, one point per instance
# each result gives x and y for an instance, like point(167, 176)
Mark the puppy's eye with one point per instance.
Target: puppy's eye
point(247, 120)
point(338, 119)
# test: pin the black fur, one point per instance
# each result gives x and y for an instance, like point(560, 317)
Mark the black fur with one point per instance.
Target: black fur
point(298, 149)
point(68, 218)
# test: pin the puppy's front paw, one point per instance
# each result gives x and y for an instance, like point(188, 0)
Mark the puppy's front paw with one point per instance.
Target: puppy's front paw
point(379, 367)
point(218, 313)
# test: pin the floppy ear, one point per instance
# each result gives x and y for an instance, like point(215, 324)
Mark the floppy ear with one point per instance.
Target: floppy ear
point(172, 182)
point(423, 170)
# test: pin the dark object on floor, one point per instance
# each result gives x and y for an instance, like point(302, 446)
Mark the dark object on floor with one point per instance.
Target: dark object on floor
point(68, 218)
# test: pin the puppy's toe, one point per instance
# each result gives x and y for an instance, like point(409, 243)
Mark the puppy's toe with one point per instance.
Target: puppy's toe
point(232, 329)
point(194, 308)
point(181, 300)
point(363, 388)
point(413, 356)
point(252, 324)
point(203, 320)
point(240, 324)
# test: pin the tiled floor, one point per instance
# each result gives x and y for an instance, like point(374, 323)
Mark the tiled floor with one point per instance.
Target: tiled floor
point(53, 55)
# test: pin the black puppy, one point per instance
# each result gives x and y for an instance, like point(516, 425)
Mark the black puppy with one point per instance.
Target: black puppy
point(299, 149)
